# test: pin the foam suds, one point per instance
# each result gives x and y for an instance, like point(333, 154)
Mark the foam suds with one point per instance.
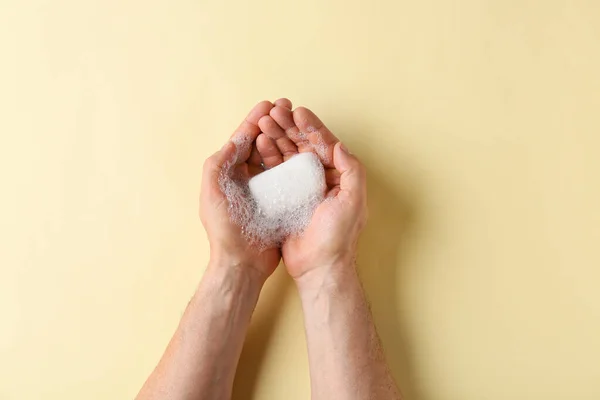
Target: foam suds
point(276, 203)
point(319, 147)
point(286, 195)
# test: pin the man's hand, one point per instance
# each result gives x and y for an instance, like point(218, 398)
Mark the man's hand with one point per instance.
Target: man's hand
point(345, 356)
point(201, 358)
point(329, 241)
point(228, 246)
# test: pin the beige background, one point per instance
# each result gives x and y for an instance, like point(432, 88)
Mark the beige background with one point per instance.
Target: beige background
point(478, 122)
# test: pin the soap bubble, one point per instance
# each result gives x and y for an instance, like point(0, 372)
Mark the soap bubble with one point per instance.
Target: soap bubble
point(276, 203)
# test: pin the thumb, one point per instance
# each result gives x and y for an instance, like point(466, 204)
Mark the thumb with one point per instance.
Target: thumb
point(352, 173)
point(225, 155)
point(217, 162)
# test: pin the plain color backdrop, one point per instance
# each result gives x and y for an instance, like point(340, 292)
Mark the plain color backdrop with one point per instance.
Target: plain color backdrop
point(478, 122)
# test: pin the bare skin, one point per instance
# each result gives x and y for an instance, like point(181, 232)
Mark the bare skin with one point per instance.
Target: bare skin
point(346, 360)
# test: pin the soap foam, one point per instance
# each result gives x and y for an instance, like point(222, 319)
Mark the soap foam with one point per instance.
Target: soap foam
point(276, 203)
point(319, 147)
point(286, 195)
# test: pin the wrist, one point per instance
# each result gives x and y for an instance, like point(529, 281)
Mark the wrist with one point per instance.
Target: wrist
point(232, 267)
point(327, 277)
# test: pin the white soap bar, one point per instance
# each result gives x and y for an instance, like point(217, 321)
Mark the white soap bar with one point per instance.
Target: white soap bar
point(296, 185)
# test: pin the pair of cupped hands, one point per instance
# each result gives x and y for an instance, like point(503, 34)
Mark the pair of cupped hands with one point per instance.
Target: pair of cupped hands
point(277, 133)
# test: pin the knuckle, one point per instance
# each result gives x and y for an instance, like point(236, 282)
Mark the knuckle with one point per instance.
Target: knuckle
point(209, 162)
point(265, 103)
point(362, 171)
point(265, 121)
point(359, 171)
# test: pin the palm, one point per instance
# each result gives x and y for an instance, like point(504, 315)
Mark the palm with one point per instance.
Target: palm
point(298, 251)
point(267, 259)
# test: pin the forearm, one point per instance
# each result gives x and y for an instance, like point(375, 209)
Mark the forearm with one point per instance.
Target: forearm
point(346, 360)
point(202, 357)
